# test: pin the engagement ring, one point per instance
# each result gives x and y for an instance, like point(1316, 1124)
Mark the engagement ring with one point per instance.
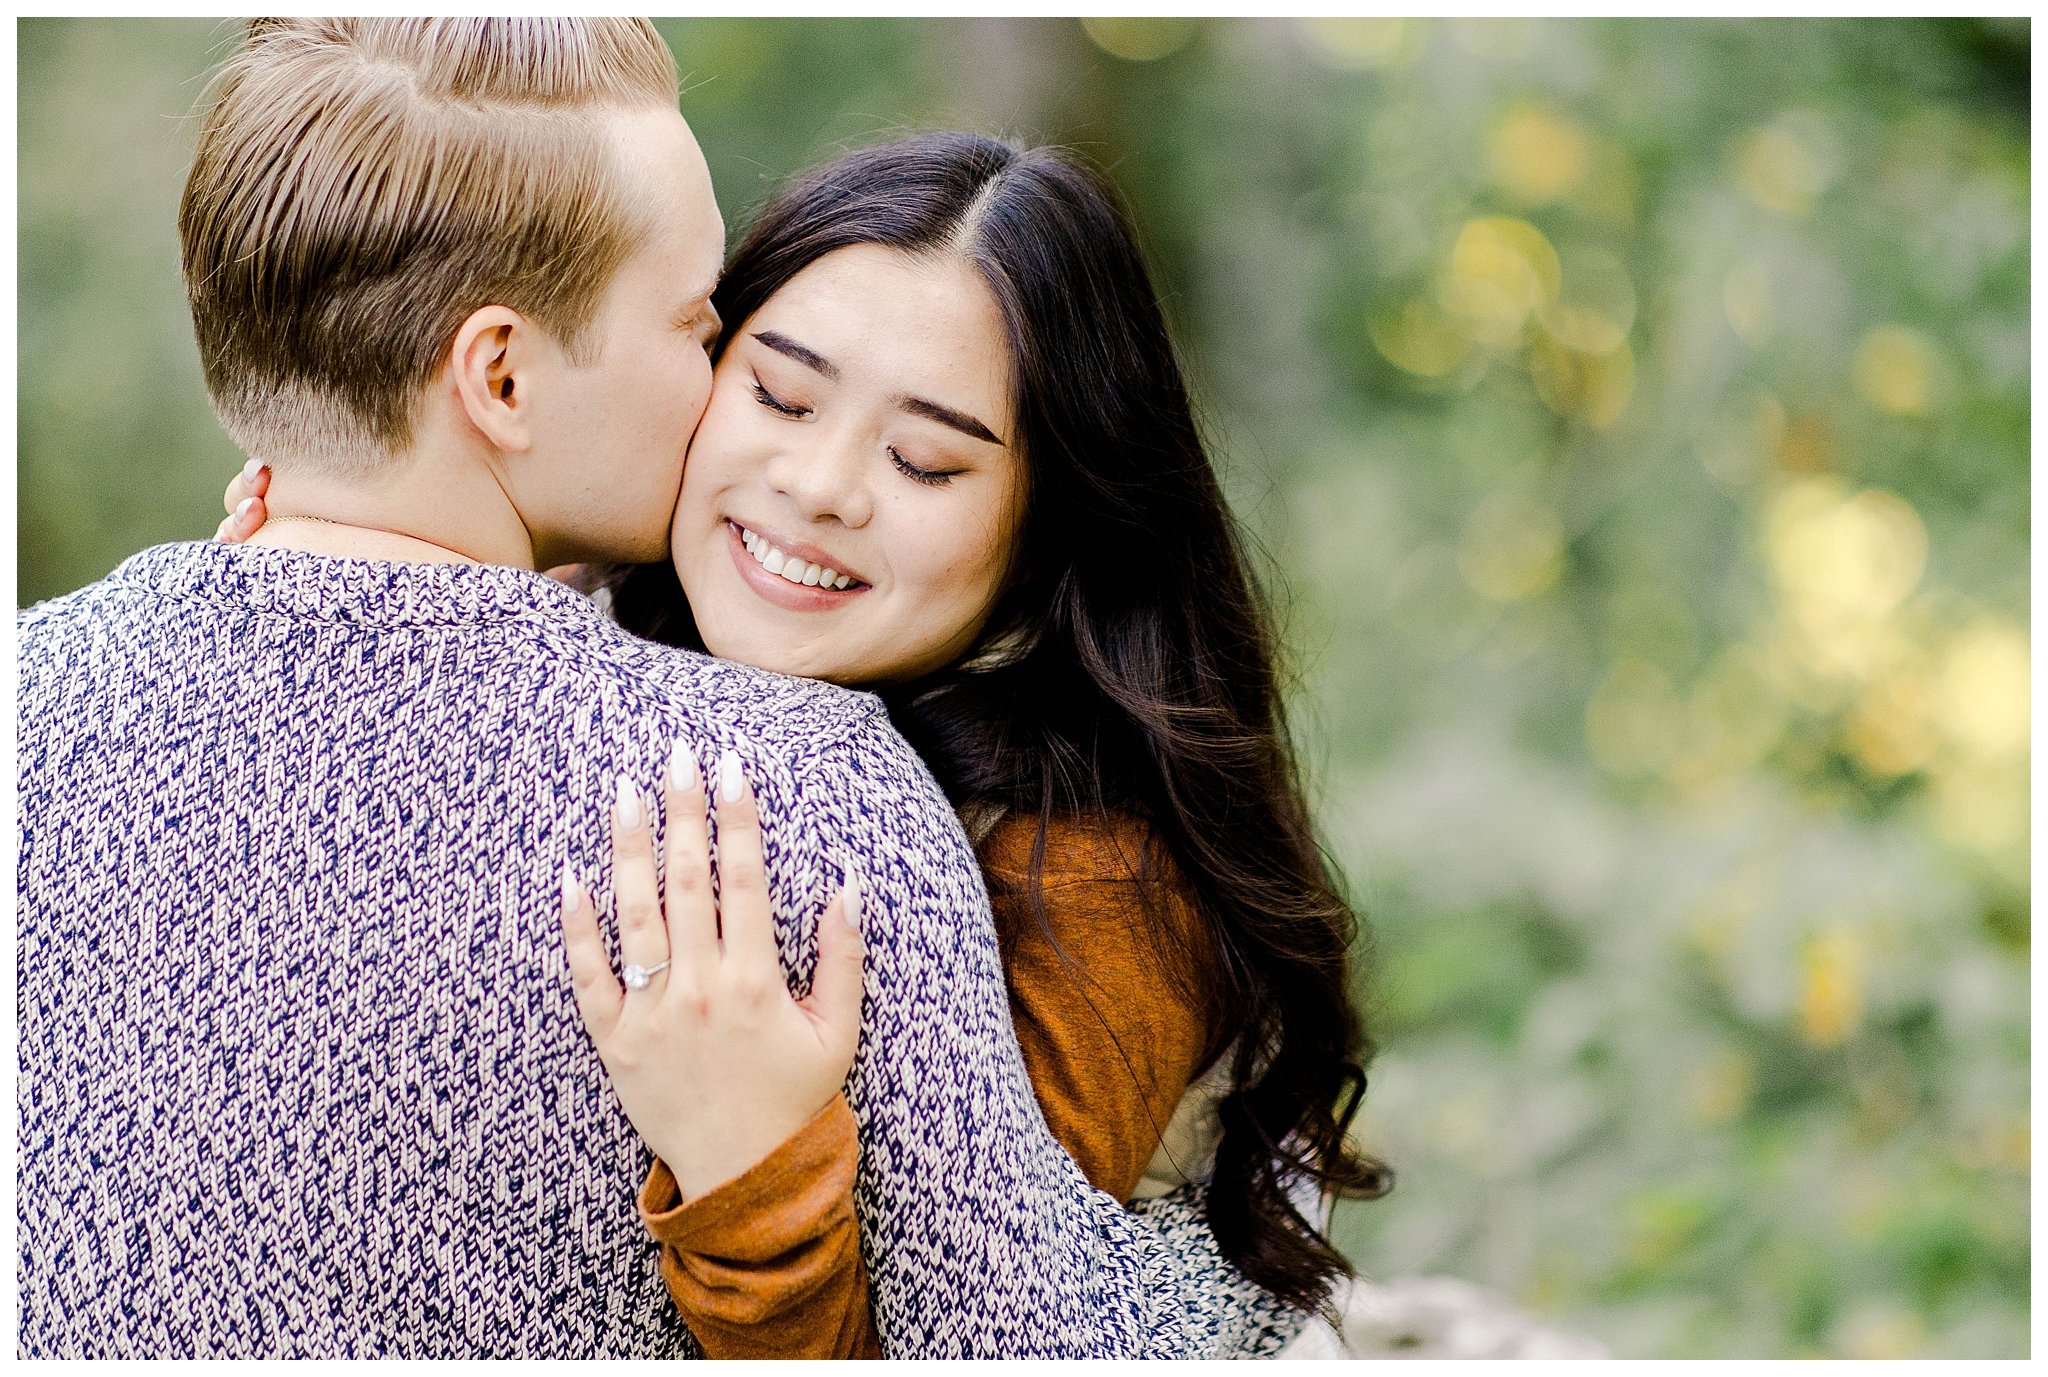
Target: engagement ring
point(636, 977)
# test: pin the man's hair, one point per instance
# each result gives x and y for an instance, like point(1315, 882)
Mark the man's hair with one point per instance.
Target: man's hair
point(363, 185)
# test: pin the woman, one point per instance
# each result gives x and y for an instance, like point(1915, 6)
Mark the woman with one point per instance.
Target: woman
point(949, 457)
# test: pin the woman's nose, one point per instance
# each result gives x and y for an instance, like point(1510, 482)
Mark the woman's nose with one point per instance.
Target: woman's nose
point(828, 479)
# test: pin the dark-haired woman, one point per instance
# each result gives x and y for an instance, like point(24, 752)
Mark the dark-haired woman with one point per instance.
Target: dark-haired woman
point(949, 458)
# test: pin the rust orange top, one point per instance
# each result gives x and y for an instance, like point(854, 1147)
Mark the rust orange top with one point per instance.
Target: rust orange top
point(768, 1264)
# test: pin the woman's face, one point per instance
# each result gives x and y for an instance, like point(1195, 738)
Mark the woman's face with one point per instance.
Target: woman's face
point(851, 498)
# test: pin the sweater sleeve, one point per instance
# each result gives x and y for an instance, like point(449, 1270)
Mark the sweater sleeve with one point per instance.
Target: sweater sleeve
point(768, 1265)
point(980, 1233)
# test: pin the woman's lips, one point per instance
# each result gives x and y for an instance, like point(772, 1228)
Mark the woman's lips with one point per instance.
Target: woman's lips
point(796, 597)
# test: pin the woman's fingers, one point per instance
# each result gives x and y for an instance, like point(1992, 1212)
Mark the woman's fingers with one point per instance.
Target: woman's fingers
point(686, 864)
point(237, 491)
point(744, 919)
point(598, 996)
point(244, 521)
point(253, 480)
point(245, 502)
point(834, 1000)
point(643, 938)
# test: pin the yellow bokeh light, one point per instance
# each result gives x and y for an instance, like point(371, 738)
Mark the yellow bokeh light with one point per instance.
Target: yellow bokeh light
point(1805, 444)
point(1596, 303)
point(1365, 43)
point(1983, 690)
point(1512, 548)
point(1891, 731)
point(1594, 388)
point(1634, 719)
point(1582, 329)
point(1837, 558)
point(1416, 338)
point(1501, 271)
point(2012, 1145)
point(1538, 155)
point(1785, 165)
point(1895, 370)
point(1139, 40)
point(1830, 990)
point(1994, 1144)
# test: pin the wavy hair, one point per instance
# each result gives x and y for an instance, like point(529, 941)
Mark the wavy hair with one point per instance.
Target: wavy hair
point(1129, 664)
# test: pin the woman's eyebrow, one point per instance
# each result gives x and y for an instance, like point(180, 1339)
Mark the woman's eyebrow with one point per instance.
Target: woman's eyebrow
point(947, 416)
point(790, 349)
point(916, 406)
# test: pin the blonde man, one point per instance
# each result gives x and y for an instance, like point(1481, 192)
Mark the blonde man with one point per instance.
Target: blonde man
point(300, 1072)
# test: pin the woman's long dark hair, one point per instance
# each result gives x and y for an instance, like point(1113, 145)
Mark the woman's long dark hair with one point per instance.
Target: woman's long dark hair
point(1129, 663)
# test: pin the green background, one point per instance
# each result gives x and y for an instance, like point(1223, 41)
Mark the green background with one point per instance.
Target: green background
point(1633, 415)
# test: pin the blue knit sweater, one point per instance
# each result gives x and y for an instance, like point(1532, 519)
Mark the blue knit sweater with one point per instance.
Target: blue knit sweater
point(300, 1070)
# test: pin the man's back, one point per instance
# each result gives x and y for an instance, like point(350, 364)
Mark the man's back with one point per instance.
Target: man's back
point(300, 1069)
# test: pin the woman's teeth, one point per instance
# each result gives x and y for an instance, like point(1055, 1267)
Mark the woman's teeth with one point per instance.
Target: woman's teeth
point(795, 570)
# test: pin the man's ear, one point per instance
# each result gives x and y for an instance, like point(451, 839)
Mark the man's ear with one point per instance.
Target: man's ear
point(491, 365)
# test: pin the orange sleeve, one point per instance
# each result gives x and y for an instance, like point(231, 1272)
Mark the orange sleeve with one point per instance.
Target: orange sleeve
point(768, 1264)
point(1111, 1047)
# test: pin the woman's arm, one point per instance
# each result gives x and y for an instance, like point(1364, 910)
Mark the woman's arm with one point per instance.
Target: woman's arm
point(768, 1265)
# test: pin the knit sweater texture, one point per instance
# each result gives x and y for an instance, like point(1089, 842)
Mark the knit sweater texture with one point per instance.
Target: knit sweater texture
point(300, 1068)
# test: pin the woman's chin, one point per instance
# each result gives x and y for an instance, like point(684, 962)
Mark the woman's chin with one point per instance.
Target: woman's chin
point(774, 659)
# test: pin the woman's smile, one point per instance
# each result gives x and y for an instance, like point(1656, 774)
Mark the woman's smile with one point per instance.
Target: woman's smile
point(779, 570)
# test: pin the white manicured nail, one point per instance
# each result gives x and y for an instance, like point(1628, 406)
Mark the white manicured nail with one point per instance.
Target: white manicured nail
point(730, 781)
point(682, 766)
point(629, 803)
point(572, 893)
point(850, 905)
point(249, 470)
point(242, 507)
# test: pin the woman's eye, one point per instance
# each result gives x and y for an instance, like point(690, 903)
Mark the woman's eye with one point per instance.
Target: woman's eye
point(775, 404)
point(935, 478)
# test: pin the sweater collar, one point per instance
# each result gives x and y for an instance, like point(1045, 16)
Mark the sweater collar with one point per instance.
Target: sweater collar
point(294, 583)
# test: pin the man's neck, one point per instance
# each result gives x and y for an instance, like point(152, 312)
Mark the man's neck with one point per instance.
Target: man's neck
point(416, 510)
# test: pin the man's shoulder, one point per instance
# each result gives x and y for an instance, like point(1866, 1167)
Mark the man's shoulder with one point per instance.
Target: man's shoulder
point(725, 701)
point(53, 612)
point(525, 643)
point(51, 632)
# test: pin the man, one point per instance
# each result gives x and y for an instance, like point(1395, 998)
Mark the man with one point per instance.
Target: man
point(300, 1070)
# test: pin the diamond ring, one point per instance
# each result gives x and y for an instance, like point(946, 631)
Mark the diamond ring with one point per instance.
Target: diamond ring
point(636, 977)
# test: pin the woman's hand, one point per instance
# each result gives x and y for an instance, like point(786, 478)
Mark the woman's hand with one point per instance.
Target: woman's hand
point(713, 1060)
point(244, 501)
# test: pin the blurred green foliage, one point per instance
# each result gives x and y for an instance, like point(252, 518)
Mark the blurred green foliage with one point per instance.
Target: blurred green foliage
point(1635, 414)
